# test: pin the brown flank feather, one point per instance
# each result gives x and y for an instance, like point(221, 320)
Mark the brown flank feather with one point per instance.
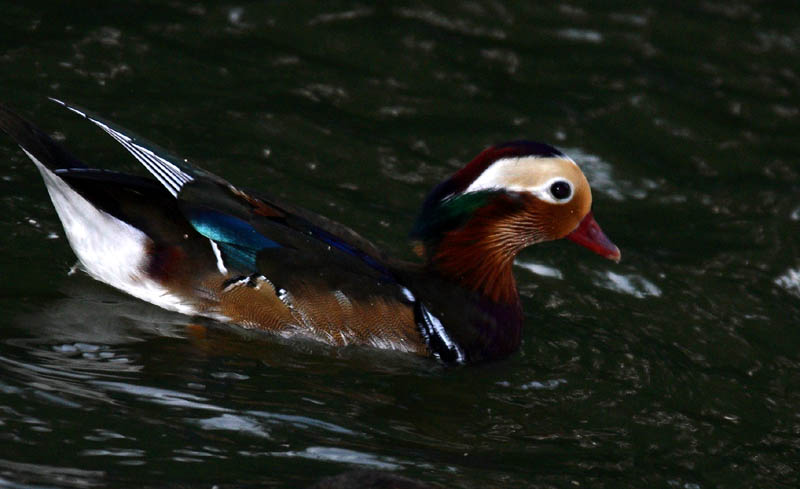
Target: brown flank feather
point(313, 310)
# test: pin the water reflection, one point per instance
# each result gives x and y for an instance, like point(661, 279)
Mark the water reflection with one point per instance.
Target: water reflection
point(34, 476)
point(339, 455)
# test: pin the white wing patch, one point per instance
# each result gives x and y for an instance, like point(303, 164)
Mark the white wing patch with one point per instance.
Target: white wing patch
point(169, 175)
point(220, 263)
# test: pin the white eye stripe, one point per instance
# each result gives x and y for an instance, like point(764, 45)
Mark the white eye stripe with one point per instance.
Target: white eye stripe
point(543, 192)
point(531, 174)
point(495, 176)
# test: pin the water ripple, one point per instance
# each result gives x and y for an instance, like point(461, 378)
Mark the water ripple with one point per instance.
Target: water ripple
point(583, 35)
point(50, 474)
point(790, 281)
point(539, 269)
point(630, 284)
point(342, 455)
point(603, 179)
point(455, 24)
point(302, 422)
point(346, 15)
point(234, 422)
point(159, 396)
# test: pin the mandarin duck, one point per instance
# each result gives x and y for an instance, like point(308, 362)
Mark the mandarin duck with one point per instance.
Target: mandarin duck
point(190, 241)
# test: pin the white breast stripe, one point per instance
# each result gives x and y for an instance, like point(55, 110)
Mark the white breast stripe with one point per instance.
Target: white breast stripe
point(438, 329)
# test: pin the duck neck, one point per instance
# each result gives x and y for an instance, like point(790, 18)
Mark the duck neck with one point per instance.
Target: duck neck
point(477, 264)
point(478, 255)
point(472, 240)
point(494, 326)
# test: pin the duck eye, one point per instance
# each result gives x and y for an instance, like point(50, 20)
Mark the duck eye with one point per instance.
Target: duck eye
point(561, 190)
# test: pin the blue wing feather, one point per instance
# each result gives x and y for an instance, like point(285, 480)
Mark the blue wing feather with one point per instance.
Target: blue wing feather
point(239, 258)
point(224, 228)
point(238, 240)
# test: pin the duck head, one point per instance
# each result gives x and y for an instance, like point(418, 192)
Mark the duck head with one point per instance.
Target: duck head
point(509, 197)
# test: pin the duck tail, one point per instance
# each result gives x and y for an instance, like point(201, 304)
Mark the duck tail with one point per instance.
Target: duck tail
point(36, 143)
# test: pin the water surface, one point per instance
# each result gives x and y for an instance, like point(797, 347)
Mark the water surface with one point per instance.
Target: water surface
point(678, 367)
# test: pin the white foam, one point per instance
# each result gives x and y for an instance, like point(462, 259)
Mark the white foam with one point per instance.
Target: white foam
point(584, 35)
point(790, 281)
point(634, 285)
point(539, 269)
point(602, 180)
point(343, 455)
point(236, 423)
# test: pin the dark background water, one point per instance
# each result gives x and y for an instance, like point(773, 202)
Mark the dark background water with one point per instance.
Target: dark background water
point(678, 367)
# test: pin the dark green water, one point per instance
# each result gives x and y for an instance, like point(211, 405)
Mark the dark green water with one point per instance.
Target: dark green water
point(676, 368)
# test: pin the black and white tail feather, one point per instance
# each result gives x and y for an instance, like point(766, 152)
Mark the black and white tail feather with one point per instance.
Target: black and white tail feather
point(170, 171)
point(108, 248)
point(169, 174)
